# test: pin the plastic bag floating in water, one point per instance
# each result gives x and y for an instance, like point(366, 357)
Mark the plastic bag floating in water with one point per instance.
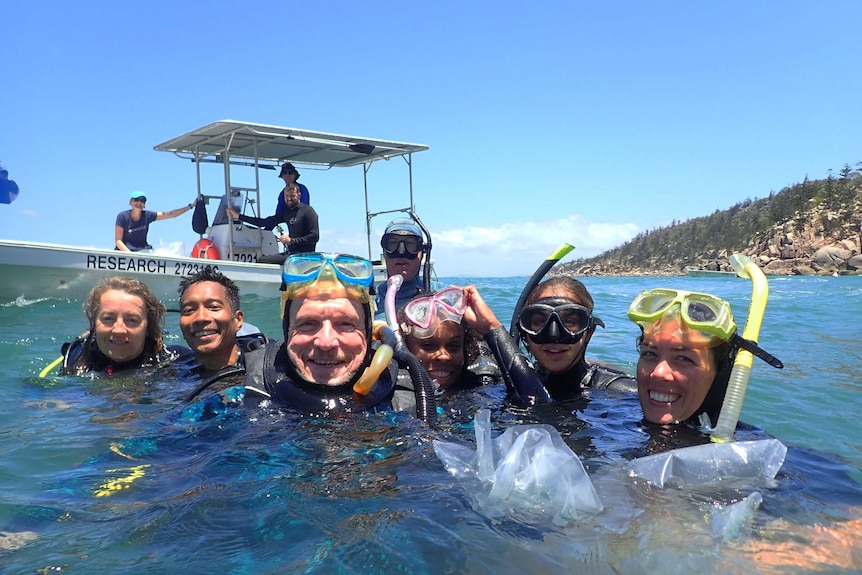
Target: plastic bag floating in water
point(528, 468)
point(712, 464)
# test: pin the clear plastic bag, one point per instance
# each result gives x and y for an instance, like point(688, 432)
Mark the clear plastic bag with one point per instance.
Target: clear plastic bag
point(712, 464)
point(527, 468)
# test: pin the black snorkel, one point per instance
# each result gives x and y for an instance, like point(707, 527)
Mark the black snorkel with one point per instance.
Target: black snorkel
point(426, 249)
point(423, 386)
point(534, 280)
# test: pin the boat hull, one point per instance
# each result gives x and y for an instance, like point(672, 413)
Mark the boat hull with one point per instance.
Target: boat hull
point(37, 270)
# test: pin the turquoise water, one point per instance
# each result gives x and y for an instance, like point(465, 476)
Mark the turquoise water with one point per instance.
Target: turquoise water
point(109, 481)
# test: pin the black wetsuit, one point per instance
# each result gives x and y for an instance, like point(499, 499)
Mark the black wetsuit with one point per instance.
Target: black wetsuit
point(404, 385)
point(96, 361)
point(527, 386)
point(302, 226)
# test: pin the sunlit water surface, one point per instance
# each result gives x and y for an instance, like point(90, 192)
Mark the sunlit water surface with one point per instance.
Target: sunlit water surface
point(101, 477)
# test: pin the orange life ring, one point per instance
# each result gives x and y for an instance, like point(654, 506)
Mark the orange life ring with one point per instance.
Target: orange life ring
point(205, 250)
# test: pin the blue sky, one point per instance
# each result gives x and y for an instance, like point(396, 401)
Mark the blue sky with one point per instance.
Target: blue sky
point(547, 122)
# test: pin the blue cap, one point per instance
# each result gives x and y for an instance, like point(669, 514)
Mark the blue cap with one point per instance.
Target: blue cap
point(138, 194)
point(403, 227)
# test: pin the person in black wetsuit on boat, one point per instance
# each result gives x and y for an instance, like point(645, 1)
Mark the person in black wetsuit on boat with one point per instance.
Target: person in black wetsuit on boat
point(302, 224)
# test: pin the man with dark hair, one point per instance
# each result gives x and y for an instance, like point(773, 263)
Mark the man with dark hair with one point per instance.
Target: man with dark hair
point(302, 225)
point(211, 321)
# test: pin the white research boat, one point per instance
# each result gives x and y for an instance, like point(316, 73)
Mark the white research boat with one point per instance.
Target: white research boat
point(35, 270)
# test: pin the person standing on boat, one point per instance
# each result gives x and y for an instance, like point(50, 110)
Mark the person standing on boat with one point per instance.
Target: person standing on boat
point(8, 188)
point(131, 227)
point(302, 225)
point(290, 176)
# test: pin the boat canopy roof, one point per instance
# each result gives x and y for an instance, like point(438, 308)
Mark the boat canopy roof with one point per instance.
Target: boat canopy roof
point(277, 145)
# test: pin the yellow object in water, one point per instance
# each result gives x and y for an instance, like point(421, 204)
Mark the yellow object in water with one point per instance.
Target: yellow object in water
point(51, 366)
point(381, 360)
point(124, 482)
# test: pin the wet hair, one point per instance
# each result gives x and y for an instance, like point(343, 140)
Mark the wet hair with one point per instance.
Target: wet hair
point(155, 317)
point(210, 274)
point(562, 285)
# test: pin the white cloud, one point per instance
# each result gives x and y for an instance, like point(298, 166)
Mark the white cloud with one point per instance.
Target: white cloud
point(517, 248)
point(513, 249)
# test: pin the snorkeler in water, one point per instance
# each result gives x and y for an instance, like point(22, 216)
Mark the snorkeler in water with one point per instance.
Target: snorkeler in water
point(213, 326)
point(126, 322)
point(686, 352)
point(453, 354)
point(556, 323)
point(326, 362)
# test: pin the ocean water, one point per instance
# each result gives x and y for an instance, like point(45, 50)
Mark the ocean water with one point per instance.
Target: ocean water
point(100, 476)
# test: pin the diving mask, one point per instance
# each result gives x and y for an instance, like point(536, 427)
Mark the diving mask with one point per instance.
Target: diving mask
point(701, 312)
point(556, 320)
point(425, 313)
point(318, 274)
point(401, 246)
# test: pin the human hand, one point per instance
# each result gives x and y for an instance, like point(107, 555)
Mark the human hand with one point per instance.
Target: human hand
point(478, 314)
point(285, 239)
point(232, 213)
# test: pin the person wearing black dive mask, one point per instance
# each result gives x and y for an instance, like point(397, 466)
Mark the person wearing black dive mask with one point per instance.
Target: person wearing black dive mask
point(403, 252)
point(557, 323)
point(556, 320)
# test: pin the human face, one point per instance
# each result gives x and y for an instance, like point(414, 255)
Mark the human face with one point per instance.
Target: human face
point(121, 325)
point(558, 357)
point(291, 197)
point(442, 354)
point(288, 177)
point(673, 377)
point(326, 340)
point(407, 268)
point(140, 202)
point(208, 324)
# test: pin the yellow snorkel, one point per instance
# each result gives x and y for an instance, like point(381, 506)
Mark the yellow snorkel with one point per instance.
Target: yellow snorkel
point(385, 352)
point(51, 366)
point(382, 357)
point(741, 372)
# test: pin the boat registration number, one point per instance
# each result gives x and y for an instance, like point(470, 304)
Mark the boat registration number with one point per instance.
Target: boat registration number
point(145, 265)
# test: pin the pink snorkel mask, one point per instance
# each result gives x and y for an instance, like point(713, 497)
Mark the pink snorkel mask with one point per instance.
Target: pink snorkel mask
point(424, 314)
